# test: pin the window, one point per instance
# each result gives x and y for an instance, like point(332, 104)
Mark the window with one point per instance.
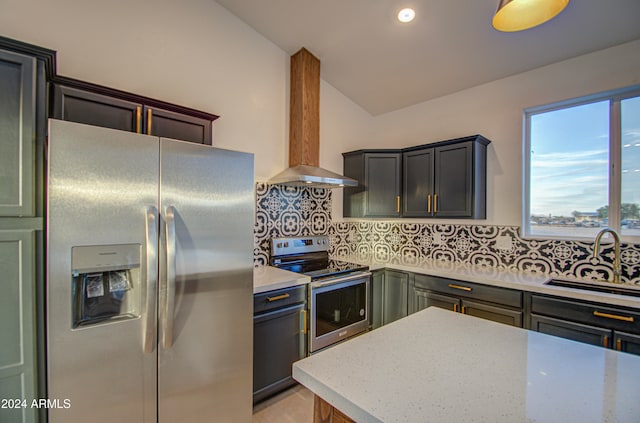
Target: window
point(582, 167)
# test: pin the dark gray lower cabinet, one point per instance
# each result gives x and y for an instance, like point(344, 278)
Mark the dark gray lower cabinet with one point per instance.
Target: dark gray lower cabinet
point(593, 323)
point(571, 330)
point(487, 302)
point(377, 292)
point(389, 297)
point(627, 342)
point(279, 339)
point(396, 296)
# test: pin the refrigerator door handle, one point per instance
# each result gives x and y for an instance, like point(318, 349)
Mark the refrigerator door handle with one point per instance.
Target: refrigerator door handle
point(151, 289)
point(170, 281)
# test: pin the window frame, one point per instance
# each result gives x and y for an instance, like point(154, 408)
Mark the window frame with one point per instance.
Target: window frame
point(615, 97)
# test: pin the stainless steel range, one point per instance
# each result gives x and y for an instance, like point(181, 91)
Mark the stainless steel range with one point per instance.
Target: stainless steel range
point(339, 291)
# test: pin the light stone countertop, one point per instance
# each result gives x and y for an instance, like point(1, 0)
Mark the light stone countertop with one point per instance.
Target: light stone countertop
point(268, 278)
point(441, 366)
point(525, 281)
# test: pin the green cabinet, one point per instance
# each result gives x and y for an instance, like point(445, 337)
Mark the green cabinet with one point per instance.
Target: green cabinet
point(379, 177)
point(18, 368)
point(23, 75)
point(488, 302)
point(593, 323)
point(17, 128)
point(389, 297)
point(90, 104)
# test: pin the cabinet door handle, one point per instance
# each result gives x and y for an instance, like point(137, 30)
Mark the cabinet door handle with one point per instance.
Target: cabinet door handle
point(149, 119)
point(138, 119)
point(397, 204)
point(464, 310)
point(605, 341)
point(455, 308)
point(619, 344)
point(429, 203)
point(303, 316)
point(613, 316)
point(464, 288)
point(279, 297)
point(435, 203)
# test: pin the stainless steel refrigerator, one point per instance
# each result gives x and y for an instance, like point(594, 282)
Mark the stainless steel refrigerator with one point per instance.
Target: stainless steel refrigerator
point(149, 278)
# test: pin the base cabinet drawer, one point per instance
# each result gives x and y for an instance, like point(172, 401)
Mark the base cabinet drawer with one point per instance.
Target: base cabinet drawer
point(474, 291)
point(493, 313)
point(571, 330)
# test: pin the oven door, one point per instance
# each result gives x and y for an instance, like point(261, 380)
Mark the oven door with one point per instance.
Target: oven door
point(339, 309)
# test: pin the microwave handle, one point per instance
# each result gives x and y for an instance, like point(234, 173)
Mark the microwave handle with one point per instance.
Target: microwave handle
point(348, 278)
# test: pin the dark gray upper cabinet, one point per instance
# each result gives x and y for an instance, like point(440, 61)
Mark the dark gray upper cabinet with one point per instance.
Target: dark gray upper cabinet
point(379, 175)
point(446, 179)
point(90, 104)
point(443, 179)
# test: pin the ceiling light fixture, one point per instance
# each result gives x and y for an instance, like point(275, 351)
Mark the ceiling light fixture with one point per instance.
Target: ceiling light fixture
point(518, 15)
point(406, 15)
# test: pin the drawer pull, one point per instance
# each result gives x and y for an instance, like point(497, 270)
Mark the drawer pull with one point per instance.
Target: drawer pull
point(619, 344)
point(464, 288)
point(279, 297)
point(614, 316)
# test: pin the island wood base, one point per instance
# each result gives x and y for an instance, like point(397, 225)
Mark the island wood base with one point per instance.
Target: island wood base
point(323, 412)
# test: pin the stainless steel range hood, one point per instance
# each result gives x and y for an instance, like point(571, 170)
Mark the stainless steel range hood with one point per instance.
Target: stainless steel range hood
point(317, 177)
point(304, 129)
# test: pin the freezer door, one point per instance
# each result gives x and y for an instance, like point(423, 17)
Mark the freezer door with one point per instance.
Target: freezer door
point(102, 219)
point(206, 301)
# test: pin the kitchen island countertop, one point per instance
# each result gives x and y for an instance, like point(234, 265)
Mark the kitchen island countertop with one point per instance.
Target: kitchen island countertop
point(440, 366)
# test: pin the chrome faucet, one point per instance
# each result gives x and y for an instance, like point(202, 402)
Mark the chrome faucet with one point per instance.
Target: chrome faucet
point(617, 269)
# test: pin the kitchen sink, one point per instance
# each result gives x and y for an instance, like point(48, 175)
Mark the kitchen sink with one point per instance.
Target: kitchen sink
point(611, 289)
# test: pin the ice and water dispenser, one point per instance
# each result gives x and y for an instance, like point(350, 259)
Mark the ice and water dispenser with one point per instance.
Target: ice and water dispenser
point(106, 283)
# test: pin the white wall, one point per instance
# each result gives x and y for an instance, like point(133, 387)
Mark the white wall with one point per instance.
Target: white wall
point(197, 54)
point(190, 52)
point(495, 111)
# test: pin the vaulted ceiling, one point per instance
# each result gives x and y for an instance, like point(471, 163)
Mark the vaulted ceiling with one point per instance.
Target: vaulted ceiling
point(383, 65)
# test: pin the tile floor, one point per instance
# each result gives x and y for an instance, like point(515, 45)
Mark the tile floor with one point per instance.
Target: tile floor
point(294, 405)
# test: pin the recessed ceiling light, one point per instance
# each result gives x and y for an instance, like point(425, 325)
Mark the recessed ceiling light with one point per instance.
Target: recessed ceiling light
point(406, 15)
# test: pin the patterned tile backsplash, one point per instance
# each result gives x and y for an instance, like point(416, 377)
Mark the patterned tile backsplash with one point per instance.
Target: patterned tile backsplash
point(293, 211)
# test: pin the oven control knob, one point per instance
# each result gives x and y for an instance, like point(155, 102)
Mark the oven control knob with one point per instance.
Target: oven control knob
point(286, 244)
point(279, 245)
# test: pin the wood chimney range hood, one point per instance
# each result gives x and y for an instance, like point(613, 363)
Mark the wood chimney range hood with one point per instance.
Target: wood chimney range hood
point(304, 129)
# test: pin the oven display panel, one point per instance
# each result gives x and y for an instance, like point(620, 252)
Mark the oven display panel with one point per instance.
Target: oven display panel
point(302, 242)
